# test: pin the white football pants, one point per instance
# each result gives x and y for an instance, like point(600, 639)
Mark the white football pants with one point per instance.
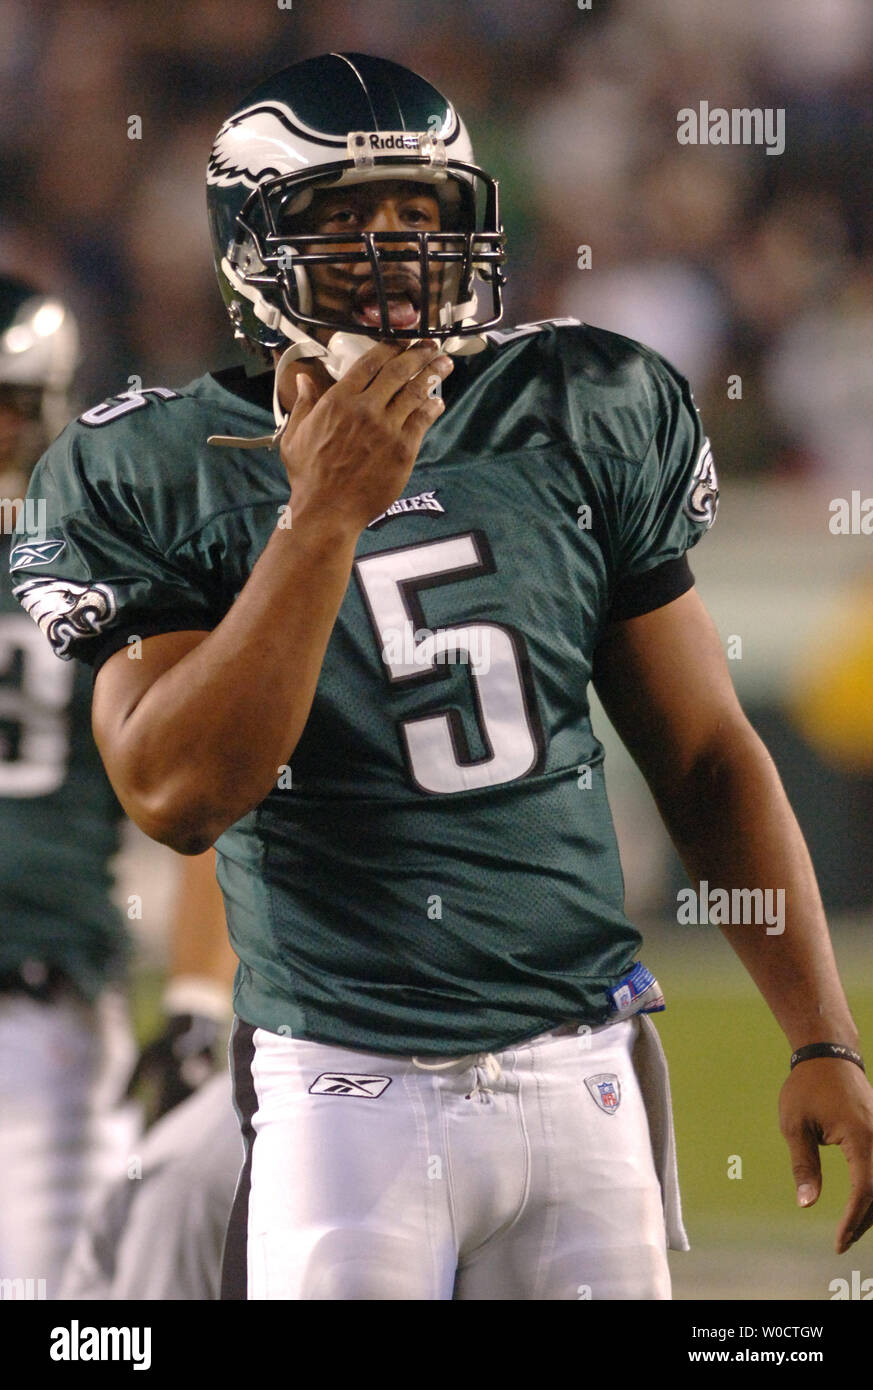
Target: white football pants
point(525, 1175)
point(63, 1066)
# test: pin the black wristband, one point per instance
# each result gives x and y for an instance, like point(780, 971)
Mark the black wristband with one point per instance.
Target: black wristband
point(838, 1050)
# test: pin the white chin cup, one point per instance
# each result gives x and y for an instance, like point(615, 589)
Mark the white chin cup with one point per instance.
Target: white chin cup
point(343, 351)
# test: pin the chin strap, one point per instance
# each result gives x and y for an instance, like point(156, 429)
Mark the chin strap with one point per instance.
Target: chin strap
point(342, 351)
point(268, 441)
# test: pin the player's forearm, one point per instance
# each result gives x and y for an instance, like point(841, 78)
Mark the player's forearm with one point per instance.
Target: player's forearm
point(206, 741)
point(734, 828)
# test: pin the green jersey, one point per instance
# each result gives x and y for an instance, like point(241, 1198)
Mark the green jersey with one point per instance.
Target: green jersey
point(59, 819)
point(436, 869)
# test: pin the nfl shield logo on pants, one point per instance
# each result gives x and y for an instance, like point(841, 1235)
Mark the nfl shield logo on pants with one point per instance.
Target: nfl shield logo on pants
point(606, 1091)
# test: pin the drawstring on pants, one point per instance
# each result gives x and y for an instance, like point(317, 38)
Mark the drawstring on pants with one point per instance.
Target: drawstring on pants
point(486, 1068)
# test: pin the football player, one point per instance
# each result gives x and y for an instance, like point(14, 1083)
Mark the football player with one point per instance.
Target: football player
point(161, 1236)
point(66, 1049)
point(157, 1231)
point(65, 1045)
point(373, 696)
point(191, 1043)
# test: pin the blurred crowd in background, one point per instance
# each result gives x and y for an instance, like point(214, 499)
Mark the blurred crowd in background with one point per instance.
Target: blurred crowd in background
point(728, 260)
point(731, 261)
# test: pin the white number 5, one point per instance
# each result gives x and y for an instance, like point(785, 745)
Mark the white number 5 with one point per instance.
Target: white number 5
point(435, 744)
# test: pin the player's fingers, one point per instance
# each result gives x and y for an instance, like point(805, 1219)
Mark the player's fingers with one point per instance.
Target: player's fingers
point(306, 400)
point(861, 1227)
point(423, 387)
point(857, 1218)
point(859, 1208)
point(362, 372)
point(396, 374)
point(420, 421)
point(805, 1164)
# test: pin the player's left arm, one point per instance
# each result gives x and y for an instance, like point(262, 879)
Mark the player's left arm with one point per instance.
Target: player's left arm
point(664, 682)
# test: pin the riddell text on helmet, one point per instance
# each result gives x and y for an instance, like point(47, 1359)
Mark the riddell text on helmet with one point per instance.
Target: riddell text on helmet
point(399, 141)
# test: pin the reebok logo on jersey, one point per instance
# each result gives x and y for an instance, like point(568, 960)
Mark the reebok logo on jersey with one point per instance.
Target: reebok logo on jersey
point(605, 1090)
point(337, 1083)
point(421, 502)
point(35, 553)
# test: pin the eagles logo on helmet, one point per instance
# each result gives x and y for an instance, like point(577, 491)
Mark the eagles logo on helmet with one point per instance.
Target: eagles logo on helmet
point(339, 120)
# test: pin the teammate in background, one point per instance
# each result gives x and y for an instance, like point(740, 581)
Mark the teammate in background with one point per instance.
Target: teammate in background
point(66, 1050)
point(438, 1049)
point(161, 1235)
point(196, 1000)
point(65, 1045)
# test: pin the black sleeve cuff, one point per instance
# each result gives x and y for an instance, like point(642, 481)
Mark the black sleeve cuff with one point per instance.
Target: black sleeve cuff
point(113, 642)
point(642, 593)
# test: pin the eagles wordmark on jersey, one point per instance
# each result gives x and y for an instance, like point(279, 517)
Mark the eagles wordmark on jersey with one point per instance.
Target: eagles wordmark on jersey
point(439, 873)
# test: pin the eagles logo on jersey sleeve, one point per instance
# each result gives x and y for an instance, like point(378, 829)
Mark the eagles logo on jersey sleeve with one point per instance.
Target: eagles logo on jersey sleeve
point(701, 503)
point(66, 610)
point(670, 499)
point(96, 576)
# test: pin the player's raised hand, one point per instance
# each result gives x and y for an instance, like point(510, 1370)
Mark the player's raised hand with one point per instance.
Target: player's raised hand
point(350, 448)
point(829, 1101)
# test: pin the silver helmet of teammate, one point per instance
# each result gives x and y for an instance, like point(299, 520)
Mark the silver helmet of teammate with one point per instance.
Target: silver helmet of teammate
point(39, 352)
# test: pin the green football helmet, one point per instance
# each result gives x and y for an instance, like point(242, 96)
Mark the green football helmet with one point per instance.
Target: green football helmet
point(328, 122)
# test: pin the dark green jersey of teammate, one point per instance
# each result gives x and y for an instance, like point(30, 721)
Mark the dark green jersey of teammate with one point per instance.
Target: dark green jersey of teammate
point(59, 817)
point(438, 870)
